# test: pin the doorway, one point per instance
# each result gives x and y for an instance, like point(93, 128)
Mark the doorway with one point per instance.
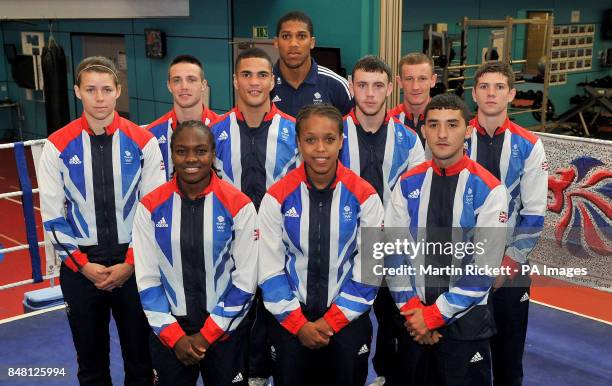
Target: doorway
point(535, 41)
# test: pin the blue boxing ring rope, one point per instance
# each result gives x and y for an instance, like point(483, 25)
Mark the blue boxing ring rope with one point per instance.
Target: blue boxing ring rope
point(28, 210)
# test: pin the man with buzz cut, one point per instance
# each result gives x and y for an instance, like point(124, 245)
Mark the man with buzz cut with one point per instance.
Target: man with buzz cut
point(379, 148)
point(449, 200)
point(300, 81)
point(186, 83)
point(516, 157)
point(255, 141)
point(416, 78)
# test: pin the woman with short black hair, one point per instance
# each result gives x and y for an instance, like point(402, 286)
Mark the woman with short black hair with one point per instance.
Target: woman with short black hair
point(196, 266)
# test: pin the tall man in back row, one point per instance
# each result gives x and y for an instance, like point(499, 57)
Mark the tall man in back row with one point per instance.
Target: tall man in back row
point(300, 81)
point(516, 157)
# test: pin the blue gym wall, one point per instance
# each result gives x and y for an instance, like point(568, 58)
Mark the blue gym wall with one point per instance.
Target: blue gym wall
point(415, 14)
point(351, 25)
point(206, 34)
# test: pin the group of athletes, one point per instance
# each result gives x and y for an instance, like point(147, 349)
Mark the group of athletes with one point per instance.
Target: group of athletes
point(230, 246)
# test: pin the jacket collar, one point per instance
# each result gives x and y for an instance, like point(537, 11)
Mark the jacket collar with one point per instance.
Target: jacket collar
point(353, 116)
point(341, 170)
point(311, 77)
point(268, 117)
point(453, 169)
point(175, 119)
point(482, 131)
point(411, 117)
point(214, 181)
point(109, 130)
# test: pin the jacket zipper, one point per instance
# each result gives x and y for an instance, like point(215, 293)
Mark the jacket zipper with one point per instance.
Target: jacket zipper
point(104, 199)
point(191, 236)
point(372, 157)
point(319, 227)
point(319, 243)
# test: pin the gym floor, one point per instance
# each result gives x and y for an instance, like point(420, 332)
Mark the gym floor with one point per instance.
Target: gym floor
point(561, 349)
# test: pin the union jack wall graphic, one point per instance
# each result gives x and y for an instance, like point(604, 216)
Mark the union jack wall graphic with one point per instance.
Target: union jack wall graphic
point(578, 224)
point(582, 195)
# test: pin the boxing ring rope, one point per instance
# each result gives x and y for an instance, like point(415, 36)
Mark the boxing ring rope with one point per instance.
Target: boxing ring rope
point(51, 266)
point(34, 142)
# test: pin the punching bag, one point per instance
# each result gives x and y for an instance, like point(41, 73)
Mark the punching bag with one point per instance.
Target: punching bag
point(55, 78)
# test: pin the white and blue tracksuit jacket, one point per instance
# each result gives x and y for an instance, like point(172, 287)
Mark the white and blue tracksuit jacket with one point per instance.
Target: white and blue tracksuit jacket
point(517, 158)
point(163, 127)
point(279, 147)
point(407, 119)
point(402, 151)
point(477, 203)
point(228, 240)
point(286, 255)
point(76, 193)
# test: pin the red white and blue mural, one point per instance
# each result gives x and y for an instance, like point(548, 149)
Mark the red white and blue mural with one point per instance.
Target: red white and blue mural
point(578, 225)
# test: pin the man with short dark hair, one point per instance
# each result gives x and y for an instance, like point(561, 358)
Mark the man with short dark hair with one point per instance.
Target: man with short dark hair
point(449, 199)
point(255, 147)
point(255, 140)
point(186, 83)
point(300, 81)
point(379, 148)
point(516, 157)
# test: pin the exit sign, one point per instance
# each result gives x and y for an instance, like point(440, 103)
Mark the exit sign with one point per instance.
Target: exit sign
point(260, 32)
